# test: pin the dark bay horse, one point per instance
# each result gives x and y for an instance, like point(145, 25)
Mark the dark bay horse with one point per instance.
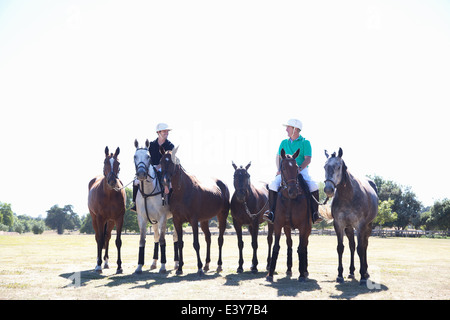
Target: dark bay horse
point(106, 204)
point(247, 205)
point(354, 206)
point(292, 211)
point(194, 201)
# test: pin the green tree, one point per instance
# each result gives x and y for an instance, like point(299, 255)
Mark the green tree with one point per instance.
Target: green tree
point(86, 225)
point(385, 214)
point(6, 214)
point(439, 218)
point(62, 218)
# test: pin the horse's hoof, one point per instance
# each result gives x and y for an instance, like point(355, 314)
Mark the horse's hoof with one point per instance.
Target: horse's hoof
point(363, 282)
point(98, 269)
point(179, 272)
point(254, 271)
point(162, 271)
point(119, 271)
point(289, 273)
point(153, 267)
point(206, 267)
point(200, 273)
point(339, 279)
point(219, 269)
point(239, 270)
point(269, 278)
point(301, 279)
point(138, 272)
point(351, 276)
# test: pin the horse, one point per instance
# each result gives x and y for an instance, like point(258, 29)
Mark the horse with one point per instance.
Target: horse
point(247, 204)
point(292, 211)
point(354, 206)
point(150, 208)
point(106, 202)
point(194, 201)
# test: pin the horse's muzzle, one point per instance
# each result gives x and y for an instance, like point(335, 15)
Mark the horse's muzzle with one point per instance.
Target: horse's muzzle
point(329, 189)
point(141, 174)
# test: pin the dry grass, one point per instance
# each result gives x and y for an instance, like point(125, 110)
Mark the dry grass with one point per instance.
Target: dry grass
point(40, 267)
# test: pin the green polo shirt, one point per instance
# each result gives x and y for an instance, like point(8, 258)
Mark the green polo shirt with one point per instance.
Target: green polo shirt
point(290, 147)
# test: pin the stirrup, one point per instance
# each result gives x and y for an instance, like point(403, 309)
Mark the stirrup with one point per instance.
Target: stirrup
point(318, 217)
point(269, 216)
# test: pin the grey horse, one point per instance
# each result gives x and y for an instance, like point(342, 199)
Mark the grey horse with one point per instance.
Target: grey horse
point(150, 209)
point(354, 207)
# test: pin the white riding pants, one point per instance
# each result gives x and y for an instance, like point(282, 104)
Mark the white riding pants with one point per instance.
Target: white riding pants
point(312, 185)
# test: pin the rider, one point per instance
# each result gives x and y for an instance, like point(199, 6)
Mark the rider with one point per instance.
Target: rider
point(291, 145)
point(162, 129)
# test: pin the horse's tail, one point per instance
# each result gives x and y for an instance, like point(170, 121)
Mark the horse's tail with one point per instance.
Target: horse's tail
point(374, 186)
point(225, 193)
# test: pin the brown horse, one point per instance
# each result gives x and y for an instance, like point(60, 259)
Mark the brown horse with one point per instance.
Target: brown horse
point(292, 211)
point(192, 201)
point(106, 204)
point(354, 206)
point(247, 205)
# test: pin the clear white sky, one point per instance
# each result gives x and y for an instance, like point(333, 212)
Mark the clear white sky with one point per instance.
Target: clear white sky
point(372, 77)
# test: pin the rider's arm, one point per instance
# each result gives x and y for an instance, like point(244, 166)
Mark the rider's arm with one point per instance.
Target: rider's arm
point(305, 163)
point(278, 161)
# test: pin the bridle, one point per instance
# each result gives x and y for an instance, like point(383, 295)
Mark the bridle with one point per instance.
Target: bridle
point(247, 210)
point(286, 183)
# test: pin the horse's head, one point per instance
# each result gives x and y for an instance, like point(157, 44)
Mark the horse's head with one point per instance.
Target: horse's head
point(241, 182)
point(111, 167)
point(335, 170)
point(169, 161)
point(289, 173)
point(142, 160)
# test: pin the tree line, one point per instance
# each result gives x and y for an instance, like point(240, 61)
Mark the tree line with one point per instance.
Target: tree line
point(398, 208)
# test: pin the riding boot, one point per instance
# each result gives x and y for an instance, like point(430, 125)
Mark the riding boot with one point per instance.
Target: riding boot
point(135, 191)
point(315, 207)
point(269, 215)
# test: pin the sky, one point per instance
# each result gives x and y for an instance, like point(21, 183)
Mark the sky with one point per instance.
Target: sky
point(371, 77)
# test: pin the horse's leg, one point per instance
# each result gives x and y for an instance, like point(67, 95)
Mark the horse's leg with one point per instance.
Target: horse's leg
point(196, 244)
point(340, 250)
point(142, 230)
point(108, 228)
point(179, 230)
point(303, 254)
point(254, 233)
point(207, 233)
point(119, 224)
point(269, 244)
point(162, 242)
point(238, 228)
point(99, 228)
point(276, 249)
point(351, 242)
point(222, 219)
point(287, 232)
point(175, 248)
point(363, 242)
point(156, 246)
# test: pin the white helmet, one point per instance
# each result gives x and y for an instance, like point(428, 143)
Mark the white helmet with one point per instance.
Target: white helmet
point(162, 126)
point(294, 123)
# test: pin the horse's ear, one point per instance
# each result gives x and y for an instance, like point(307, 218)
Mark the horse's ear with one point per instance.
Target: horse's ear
point(326, 154)
point(117, 152)
point(147, 143)
point(296, 154)
point(136, 143)
point(162, 150)
point(283, 153)
point(106, 151)
point(174, 152)
point(248, 166)
point(340, 153)
point(234, 165)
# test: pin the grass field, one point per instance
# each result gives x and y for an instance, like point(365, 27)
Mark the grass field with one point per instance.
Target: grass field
point(43, 266)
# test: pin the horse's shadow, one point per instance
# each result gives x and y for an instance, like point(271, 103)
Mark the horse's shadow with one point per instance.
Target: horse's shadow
point(151, 279)
point(351, 289)
point(291, 287)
